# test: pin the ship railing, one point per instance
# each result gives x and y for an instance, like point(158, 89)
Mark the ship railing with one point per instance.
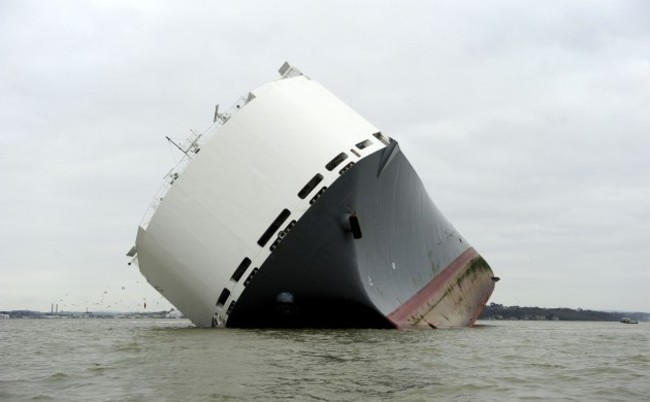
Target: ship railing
point(169, 179)
point(190, 147)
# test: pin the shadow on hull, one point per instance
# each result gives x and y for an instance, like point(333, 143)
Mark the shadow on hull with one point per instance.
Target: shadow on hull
point(314, 313)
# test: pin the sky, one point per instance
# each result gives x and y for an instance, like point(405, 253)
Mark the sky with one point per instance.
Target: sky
point(528, 122)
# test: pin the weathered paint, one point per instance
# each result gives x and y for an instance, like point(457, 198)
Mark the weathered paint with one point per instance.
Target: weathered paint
point(454, 298)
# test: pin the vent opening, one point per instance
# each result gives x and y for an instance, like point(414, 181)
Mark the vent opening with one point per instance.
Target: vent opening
point(243, 266)
point(336, 161)
point(364, 144)
point(225, 294)
point(382, 138)
point(311, 184)
point(355, 227)
point(275, 225)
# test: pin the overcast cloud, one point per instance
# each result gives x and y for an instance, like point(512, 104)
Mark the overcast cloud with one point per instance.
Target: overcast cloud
point(528, 122)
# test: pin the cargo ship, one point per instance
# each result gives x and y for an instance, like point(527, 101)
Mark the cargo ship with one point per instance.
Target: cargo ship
point(292, 210)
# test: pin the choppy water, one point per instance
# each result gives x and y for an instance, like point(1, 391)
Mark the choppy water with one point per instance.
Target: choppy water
point(166, 360)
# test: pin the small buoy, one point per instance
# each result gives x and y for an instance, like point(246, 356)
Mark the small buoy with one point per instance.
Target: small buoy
point(145, 304)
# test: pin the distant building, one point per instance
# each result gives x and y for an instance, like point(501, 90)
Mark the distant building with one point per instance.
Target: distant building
point(4, 316)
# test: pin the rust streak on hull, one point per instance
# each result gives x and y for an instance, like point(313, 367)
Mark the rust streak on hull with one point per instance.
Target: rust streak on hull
point(455, 297)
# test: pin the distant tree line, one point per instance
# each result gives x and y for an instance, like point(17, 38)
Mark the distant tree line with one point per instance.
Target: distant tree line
point(496, 311)
point(79, 314)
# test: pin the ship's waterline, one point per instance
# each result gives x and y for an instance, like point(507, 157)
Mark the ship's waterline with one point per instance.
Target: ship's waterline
point(295, 211)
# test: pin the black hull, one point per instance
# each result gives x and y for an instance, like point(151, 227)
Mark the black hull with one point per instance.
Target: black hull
point(321, 275)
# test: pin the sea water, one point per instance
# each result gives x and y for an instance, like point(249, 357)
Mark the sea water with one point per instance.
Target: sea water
point(171, 360)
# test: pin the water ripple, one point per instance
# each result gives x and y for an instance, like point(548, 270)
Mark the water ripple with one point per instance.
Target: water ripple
point(147, 360)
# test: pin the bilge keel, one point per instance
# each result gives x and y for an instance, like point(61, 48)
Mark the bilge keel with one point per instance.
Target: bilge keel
point(294, 211)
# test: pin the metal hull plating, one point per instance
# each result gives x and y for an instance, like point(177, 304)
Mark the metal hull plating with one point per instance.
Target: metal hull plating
point(409, 268)
point(298, 212)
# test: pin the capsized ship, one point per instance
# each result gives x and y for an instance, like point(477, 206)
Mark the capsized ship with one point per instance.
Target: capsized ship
point(294, 211)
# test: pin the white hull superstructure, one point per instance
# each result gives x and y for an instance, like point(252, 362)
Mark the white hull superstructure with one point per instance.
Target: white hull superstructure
point(288, 195)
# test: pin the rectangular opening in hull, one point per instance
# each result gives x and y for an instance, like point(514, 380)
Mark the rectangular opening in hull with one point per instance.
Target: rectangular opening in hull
point(336, 161)
point(311, 184)
point(246, 262)
point(225, 294)
point(274, 227)
point(382, 138)
point(364, 144)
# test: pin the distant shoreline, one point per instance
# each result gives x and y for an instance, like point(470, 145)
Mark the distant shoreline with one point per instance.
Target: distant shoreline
point(29, 314)
point(495, 311)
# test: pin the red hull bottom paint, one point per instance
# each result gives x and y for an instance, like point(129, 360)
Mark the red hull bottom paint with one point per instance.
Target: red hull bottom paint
point(454, 298)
